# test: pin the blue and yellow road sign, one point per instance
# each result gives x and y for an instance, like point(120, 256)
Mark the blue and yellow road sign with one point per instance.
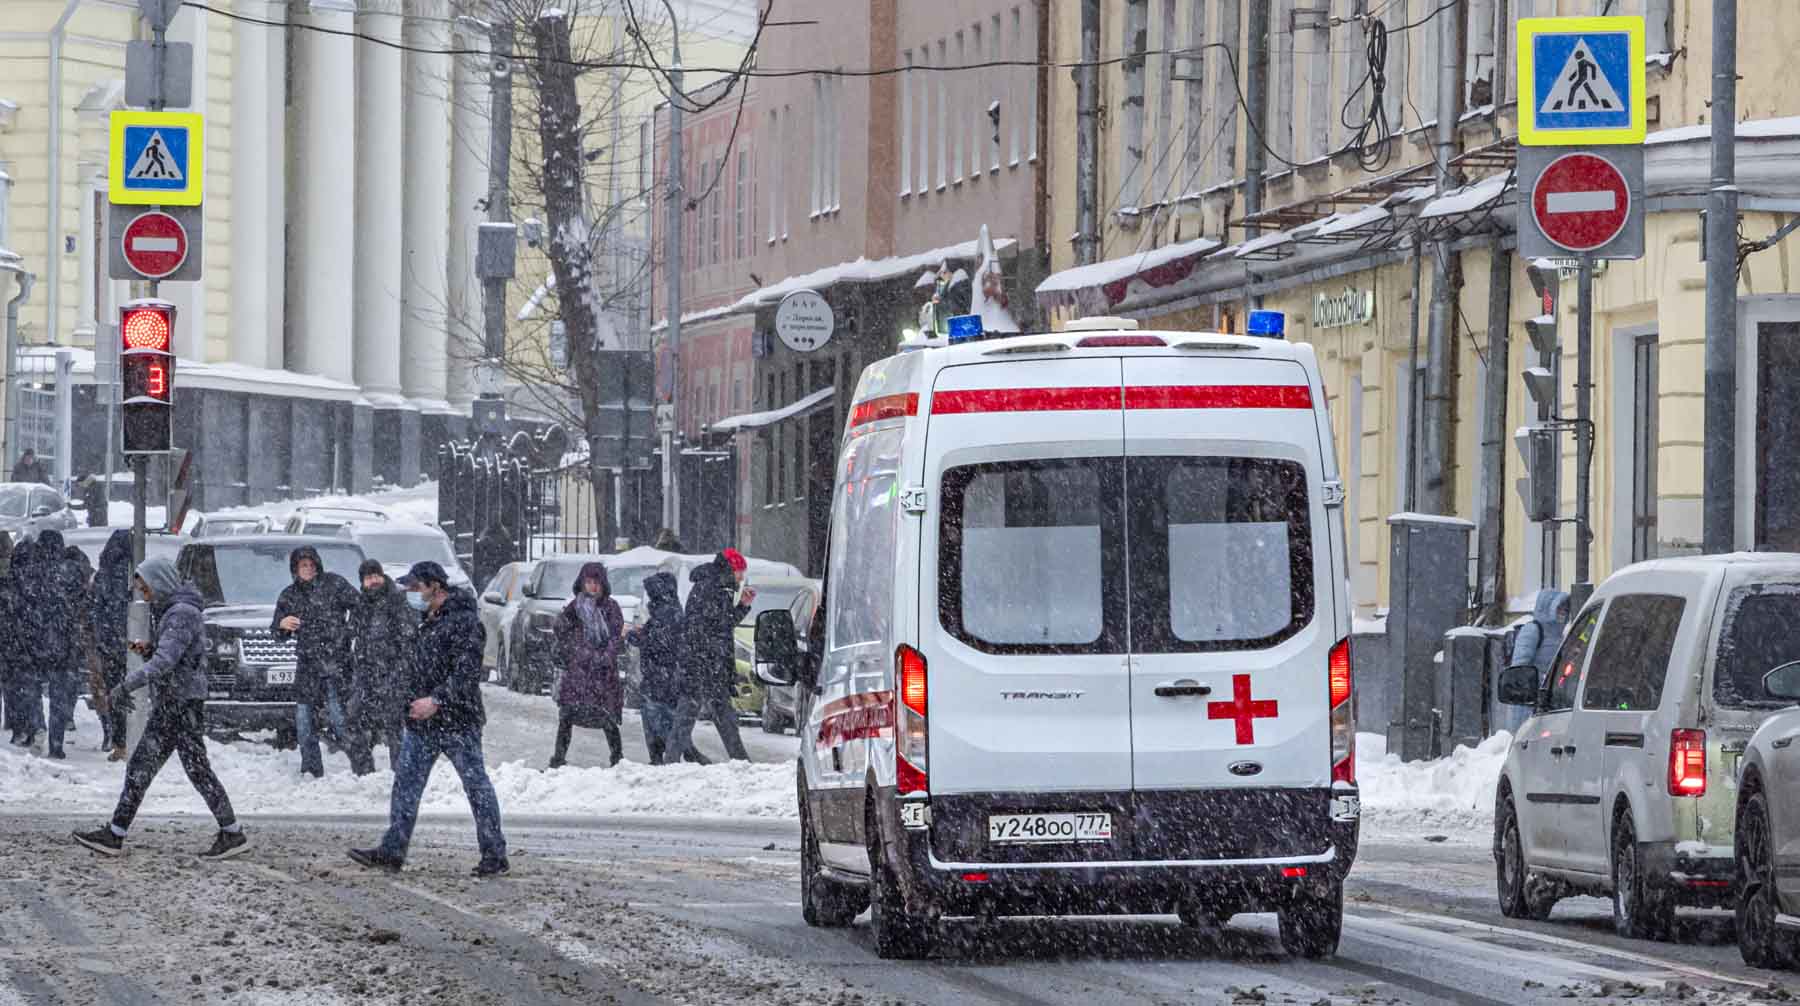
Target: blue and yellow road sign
point(155, 158)
point(1581, 80)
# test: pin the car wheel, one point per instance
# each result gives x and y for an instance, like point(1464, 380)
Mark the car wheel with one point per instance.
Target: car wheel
point(1312, 921)
point(1522, 895)
point(1640, 911)
point(899, 934)
point(1760, 941)
point(824, 903)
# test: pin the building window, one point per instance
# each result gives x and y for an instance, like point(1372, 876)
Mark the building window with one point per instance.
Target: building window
point(740, 203)
point(1189, 67)
point(1166, 142)
point(1656, 26)
point(755, 201)
point(718, 209)
point(961, 130)
point(978, 104)
point(1131, 110)
point(1281, 78)
point(1225, 99)
point(1018, 86)
point(1643, 447)
point(1313, 25)
point(1409, 398)
point(776, 150)
point(1778, 435)
point(996, 74)
point(1352, 43)
point(834, 87)
point(643, 158)
point(906, 126)
point(1398, 69)
point(787, 144)
point(817, 203)
point(924, 87)
point(943, 116)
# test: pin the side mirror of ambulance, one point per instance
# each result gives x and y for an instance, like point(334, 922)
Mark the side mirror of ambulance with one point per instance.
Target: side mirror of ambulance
point(777, 648)
point(1519, 685)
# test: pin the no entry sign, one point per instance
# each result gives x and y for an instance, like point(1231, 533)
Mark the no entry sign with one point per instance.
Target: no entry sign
point(1581, 202)
point(155, 244)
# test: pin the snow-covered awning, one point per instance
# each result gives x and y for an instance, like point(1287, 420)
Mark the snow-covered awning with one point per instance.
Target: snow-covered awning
point(861, 270)
point(1096, 288)
point(755, 420)
point(1468, 198)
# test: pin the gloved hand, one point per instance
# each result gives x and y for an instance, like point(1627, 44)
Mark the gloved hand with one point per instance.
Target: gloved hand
point(119, 699)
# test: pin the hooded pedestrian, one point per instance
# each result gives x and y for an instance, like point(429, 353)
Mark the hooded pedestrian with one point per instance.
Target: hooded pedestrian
point(314, 611)
point(94, 500)
point(709, 651)
point(659, 662)
point(382, 629)
point(444, 717)
point(15, 647)
point(589, 694)
point(175, 671)
point(1535, 645)
point(110, 609)
point(57, 591)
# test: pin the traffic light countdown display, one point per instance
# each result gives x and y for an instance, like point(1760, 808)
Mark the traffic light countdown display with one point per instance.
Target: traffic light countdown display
point(147, 373)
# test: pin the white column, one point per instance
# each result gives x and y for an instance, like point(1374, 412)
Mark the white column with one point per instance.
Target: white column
point(190, 298)
point(258, 116)
point(92, 252)
point(468, 186)
point(324, 171)
point(425, 270)
point(379, 167)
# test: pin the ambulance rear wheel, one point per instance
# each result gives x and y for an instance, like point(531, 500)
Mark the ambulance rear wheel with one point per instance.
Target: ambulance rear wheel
point(824, 903)
point(1312, 921)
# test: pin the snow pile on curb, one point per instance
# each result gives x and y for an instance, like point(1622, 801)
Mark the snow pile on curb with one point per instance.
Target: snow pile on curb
point(1452, 796)
point(262, 780)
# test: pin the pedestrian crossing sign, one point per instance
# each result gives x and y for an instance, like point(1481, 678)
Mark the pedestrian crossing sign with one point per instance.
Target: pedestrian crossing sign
point(1581, 80)
point(155, 158)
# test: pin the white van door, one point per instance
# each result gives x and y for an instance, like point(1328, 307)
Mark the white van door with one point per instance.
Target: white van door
point(1022, 599)
point(1232, 611)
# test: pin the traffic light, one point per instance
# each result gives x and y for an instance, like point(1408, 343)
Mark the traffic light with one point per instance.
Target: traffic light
point(147, 374)
point(1539, 379)
point(1537, 490)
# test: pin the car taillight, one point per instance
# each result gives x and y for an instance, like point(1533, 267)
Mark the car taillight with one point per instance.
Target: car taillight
point(1687, 763)
point(1343, 715)
point(910, 762)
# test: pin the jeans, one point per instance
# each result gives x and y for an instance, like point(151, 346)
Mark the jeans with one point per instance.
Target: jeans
point(177, 728)
point(724, 717)
point(419, 752)
point(658, 719)
point(64, 690)
point(312, 762)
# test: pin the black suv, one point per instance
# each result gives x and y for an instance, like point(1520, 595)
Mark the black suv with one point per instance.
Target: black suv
point(249, 672)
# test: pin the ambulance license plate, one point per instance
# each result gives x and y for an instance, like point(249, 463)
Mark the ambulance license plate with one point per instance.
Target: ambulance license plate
point(1006, 829)
point(281, 675)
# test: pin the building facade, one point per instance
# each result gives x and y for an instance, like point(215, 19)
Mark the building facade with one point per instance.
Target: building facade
point(1350, 216)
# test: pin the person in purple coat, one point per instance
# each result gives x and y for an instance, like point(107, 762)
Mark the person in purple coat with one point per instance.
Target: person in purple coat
point(589, 633)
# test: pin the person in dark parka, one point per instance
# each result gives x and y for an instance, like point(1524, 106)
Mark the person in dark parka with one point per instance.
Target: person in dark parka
point(314, 611)
point(708, 651)
point(57, 589)
point(444, 717)
point(382, 629)
point(659, 660)
point(110, 608)
point(15, 644)
point(589, 632)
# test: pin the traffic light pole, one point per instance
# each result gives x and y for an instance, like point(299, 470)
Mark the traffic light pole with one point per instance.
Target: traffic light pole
point(1584, 433)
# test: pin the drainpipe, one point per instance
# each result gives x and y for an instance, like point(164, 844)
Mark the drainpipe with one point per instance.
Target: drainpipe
point(1255, 59)
point(53, 233)
point(1446, 278)
point(25, 281)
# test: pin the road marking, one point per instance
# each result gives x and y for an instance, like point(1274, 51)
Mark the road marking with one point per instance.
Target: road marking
point(1599, 201)
point(1561, 942)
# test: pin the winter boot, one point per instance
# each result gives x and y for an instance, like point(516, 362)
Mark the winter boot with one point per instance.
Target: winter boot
point(491, 868)
point(227, 845)
point(102, 840)
point(375, 859)
point(118, 754)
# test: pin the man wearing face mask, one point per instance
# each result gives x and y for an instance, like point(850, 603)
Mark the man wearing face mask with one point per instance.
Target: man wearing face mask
point(444, 717)
point(175, 670)
point(314, 611)
point(382, 628)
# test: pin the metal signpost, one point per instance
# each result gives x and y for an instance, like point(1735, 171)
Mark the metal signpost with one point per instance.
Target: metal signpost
point(1582, 116)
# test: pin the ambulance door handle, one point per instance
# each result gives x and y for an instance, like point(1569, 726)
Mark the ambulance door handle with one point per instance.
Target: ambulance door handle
point(1184, 688)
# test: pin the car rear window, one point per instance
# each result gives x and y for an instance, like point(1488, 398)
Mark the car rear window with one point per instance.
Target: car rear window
point(1220, 552)
point(1760, 633)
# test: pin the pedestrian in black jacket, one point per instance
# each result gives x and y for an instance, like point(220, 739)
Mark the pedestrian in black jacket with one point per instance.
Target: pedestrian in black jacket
point(444, 717)
point(110, 606)
point(314, 611)
point(708, 652)
point(15, 646)
point(659, 663)
point(57, 590)
point(175, 670)
point(382, 631)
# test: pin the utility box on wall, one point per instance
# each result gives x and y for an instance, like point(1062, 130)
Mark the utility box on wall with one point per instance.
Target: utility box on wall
point(1428, 594)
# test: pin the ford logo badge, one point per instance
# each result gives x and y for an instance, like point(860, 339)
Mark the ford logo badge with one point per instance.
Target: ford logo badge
point(1245, 767)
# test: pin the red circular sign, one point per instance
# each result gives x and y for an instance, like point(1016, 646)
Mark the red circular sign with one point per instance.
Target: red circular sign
point(155, 244)
point(1581, 202)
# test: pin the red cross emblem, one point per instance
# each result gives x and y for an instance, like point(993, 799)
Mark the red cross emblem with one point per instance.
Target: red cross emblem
point(1242, 709)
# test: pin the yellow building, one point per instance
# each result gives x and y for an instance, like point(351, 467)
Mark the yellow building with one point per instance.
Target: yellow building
point(1333, 250)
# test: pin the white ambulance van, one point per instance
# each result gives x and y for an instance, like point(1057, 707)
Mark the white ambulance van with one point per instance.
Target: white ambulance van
point(1084, 648)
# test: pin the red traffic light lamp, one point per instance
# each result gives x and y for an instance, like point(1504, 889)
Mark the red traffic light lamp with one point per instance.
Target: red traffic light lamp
point(147, 374)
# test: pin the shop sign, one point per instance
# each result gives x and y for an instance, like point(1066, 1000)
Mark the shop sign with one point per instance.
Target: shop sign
point(804, 321)
point(1347, 307)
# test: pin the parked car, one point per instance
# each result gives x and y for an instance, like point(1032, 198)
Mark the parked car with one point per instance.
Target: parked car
point(250, 673)
point(399, 544)
point(317, 518)
point(91, 540)
point(529, 663)
point(502, 589)
point(224, 526)
point(1623, 782)
point(29, 507)
point(777, 706)
point(1768, 792)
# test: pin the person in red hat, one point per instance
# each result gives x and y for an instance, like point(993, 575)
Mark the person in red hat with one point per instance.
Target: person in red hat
point(708, 652)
